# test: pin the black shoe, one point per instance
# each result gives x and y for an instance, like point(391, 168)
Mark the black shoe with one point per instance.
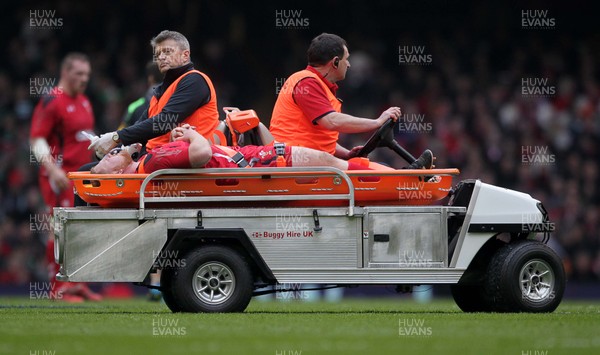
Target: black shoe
point(425, 161)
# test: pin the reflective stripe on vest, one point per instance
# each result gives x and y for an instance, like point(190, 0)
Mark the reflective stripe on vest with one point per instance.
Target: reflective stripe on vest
point(290, 125)
point(205, 118)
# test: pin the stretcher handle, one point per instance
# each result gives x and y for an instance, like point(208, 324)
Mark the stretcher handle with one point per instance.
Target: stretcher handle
point(318, 171)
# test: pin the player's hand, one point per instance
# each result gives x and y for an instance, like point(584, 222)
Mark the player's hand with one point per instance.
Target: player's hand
point(178, 132)
point(354, 152)
point(103, 144)
point(58, 180)
point(183, 133)
point(392, 112)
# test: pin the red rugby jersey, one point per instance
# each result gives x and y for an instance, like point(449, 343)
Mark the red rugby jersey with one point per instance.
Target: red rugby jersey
point(60, 119)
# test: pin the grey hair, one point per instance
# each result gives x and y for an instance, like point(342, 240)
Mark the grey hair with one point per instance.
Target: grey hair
point(175, 36)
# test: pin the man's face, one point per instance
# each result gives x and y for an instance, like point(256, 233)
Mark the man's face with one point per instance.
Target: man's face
point(169, 55)
point(343, 65)
point(114, 162)
point(77, 76)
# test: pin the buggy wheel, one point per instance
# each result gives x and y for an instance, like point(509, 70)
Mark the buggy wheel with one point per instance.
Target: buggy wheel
point(470, 297)
point(215, 279)
point(166, 277)
point(525, 276)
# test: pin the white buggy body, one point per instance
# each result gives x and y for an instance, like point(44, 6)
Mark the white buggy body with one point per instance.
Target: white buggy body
point(212, 259)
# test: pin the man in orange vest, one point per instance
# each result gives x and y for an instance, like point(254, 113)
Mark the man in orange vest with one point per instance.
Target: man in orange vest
point(307, 112)
point(186, 95)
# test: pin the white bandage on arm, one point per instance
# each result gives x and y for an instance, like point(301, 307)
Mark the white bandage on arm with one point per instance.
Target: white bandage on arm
point(41, 150)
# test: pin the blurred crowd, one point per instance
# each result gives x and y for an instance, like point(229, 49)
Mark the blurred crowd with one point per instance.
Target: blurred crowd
point(471, 91)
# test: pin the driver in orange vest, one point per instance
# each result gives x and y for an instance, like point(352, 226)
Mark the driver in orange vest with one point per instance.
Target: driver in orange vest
point(307, 112)
point(186, 96)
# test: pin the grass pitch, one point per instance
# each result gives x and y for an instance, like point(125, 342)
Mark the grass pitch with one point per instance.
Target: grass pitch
point(363, 326)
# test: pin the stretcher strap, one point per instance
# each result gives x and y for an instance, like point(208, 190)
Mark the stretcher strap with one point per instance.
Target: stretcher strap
point(237, 158)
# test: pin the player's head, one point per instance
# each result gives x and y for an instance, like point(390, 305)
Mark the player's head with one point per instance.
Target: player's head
point(330, 51)
point(153, 75)
point(117, 160)
point(75, 71)
point(171, 50)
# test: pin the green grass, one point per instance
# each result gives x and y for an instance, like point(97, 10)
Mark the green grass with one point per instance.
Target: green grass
point(367, 326)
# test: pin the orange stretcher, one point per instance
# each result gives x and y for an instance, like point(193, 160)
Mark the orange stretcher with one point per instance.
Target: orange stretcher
point(264, 187)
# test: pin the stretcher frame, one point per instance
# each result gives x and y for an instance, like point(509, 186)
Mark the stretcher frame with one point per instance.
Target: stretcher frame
point(333, 184)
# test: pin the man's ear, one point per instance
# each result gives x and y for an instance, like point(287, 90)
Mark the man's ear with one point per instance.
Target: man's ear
point(186, 54)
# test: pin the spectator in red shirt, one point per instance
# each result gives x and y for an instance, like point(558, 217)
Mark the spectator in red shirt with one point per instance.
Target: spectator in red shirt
point(58, 140)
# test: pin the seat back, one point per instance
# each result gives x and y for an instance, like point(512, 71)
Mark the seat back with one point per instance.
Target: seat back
point(244, 128)
point(220, 134)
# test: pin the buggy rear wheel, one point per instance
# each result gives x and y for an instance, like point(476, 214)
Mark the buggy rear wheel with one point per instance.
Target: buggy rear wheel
point(215, 279)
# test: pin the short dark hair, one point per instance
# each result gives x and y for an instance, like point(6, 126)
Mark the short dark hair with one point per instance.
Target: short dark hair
point(71, 57)
point(153, 72)
point(325, 47)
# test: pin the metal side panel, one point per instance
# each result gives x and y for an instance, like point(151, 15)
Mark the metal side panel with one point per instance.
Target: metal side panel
point(286, 237)
point(338, 244)
point(371, 276)
point(104, 250)
point(416, 238)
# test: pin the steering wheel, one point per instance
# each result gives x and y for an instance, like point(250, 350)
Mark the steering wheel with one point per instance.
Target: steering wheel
point(384, 137)
point(381, 137)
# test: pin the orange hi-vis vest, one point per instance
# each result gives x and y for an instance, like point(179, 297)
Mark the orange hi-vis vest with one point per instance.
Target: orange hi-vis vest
point(205, 118)
point(291, 126)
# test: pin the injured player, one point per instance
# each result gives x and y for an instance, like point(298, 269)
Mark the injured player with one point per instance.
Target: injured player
point(189, 149)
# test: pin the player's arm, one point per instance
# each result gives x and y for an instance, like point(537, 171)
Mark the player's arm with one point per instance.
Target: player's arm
point(42, 122)
point(56, 175)
point(199, 150)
